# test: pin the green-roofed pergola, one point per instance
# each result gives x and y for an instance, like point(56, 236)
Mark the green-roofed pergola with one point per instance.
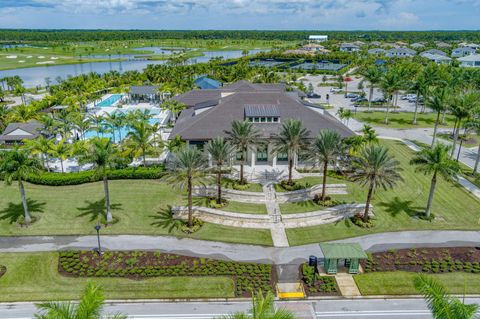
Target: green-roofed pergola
point(350, 253)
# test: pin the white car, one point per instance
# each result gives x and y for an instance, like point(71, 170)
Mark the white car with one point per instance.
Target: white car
point(409, 97)
point(335, 90)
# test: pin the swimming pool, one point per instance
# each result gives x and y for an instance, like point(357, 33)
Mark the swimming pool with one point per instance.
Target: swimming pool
point(111, 100)
point(118, 135)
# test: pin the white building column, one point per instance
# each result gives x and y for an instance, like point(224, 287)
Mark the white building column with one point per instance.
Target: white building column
point(254, 158)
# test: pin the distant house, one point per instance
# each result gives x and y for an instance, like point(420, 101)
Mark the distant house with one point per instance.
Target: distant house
point(318, 38)
point(204, 82)
point(15, 133)
point(417, 45)
point(470, 61)
point(437, 58)
point(376, 51)
point(433, 51)
point(443, 45)
point(144, 93)
point(462, 51)
point(349, 47)
point(313, 47)
point(400, 52)
point(471, 45)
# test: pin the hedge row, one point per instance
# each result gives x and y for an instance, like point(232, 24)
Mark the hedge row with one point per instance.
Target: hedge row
point(76, 178)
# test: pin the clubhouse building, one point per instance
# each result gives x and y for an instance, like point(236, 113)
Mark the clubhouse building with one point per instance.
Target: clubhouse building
point(210, 113)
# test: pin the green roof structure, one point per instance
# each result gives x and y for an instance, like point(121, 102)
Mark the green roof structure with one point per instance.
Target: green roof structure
point(342, 251)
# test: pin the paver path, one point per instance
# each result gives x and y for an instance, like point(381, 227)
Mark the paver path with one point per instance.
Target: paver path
point(277, 229)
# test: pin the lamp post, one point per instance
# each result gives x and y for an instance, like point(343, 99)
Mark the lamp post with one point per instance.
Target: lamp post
point(99, 248)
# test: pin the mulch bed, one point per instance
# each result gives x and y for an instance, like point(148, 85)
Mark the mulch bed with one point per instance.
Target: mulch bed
point(323, 285)
point(3, 270)
point(427, 260)
point(138, 265)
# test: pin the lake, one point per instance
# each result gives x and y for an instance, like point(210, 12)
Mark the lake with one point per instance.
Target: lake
point(36, 75)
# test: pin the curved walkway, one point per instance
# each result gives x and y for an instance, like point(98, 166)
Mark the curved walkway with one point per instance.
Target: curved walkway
point(238, 252)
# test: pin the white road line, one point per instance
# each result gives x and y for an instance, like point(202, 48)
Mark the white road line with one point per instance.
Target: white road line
point(371, 313)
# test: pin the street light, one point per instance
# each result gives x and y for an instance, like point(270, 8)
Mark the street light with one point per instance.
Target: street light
point(99, 248)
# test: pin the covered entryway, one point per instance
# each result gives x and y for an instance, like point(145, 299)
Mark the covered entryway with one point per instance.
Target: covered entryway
point(343, 254)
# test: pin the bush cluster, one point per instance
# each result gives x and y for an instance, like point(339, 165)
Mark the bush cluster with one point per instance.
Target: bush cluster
point(247, 276)
point(3, 270)
point(76, 178)
point(291, 186)
point(321, 284)
point(358, 220)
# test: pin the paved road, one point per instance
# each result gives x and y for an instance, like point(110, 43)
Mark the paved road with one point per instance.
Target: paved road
point(238, 252)
point(346, 309)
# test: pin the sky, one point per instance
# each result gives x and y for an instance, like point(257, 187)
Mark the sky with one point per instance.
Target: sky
point(242, 14)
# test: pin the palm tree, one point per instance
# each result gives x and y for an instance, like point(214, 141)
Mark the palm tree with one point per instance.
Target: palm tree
point(243, 136)
point(4, 117)
point(42, 146)
point(369, 134)
point(390, 84)
point(292, 140)
point(96, 121)
point(419, 86)
point(174, 107)
point(373, 75)
point(475, 125)
point(440, 304)
point(437, 100)
point(462, 108)
point(62, 150)
point(376, 168)
point(435, 161)
point(221, 152)
point(140, 138)
point(262, 308)
point(187, 169)
point(327, 148)
point(116, 120)
point(90, 306)
point(17, 165)
point(344, 114)
point(101, 153)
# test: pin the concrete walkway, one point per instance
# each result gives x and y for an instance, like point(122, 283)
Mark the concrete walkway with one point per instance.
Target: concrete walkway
point(238, 252)
point(347, 286)
point(277, 229)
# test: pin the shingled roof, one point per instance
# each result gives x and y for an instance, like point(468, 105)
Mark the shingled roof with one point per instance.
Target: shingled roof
point(21, 131)
point(214, 121)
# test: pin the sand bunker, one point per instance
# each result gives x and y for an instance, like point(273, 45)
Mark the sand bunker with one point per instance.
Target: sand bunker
point(11, 56)
point(46, 62)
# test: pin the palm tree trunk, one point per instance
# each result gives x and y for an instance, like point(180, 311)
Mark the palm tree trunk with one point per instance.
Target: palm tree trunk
point(455, 138)
point(414, 122)
point(386, 113)
point(27, 217)
point(61, 164)
point(477, 161)
point(290, 166)
point(444, 113)
point(370, 98)
point(107, 199)
point(325, 169)
point(47, 162)
point(189, 190)
point(367, 204)
point(143, 156)
point(219, 185)
point(430, 195)
point(435, 129)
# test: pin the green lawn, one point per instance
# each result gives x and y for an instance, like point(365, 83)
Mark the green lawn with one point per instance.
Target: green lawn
point(401, 283)
point(136, 203)
point(306, 206)
point(395, 209)
point(237, 207)
point(34, 277)
point(401, 120)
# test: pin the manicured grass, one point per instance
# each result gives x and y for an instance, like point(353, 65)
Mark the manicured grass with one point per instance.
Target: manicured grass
point(74, 210)
point(237, 207)
point(396, 209)
point(470, 140)
point(401, 283)
point(303, 207)
point(252, 187)
point(402, 120)
point(34, 277)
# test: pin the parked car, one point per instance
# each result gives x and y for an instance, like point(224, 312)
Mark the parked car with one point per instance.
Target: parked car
point(351, 95)
point(379, 100)
point(313, 96)
point(335, 90)
point(408, 97)
point(359, 99)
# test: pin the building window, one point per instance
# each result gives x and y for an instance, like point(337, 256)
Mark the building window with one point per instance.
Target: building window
point(262, 155)
point(264, 119)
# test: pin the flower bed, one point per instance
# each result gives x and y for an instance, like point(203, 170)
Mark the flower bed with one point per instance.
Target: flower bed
point(427, 260)
point(3, 270)
point(138, 265)
point(321, 286)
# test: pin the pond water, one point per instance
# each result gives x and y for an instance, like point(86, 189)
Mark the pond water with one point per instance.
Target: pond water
point(37, 75)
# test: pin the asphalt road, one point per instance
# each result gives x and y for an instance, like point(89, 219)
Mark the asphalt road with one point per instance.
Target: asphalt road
point(339, 308)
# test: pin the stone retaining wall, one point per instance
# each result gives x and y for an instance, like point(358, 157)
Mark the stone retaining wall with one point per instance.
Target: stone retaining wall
point(302, 195)
point(231, 194)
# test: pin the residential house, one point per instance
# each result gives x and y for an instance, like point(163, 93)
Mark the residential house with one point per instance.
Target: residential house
point(313, 47)
point(16, 133)
point(434, 51)
point(267, 106)
point(318, 38)
point(437, 58)
point(442, 45)
point(470, 61)
point(376, 51)
point(417, 45)
point(400, 52)
point(204, 82)
point(462, 51)
point(349, 47)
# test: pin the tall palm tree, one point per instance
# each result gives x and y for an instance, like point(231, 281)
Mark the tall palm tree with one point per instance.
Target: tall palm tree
point(174, 107)
point(42, 146)
point(262, 308)
point(369, 134)
point(101, 153)
point(187, 169)
point(375, 168)
point(243, 136)
point(419, 86)
point(4, 117)
point(221, 152)
point(435, 161)
point(62, 150)
point(90, 306)
point(462, 107)
point(437, 101)
point(373, 75)
point(141, 139)
point(96, 121)
point(292, 140)
point(116, 120)
point(474, 125)
point(390, 85)
point(327, 148)
point(17, 165)
point(440, 304)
